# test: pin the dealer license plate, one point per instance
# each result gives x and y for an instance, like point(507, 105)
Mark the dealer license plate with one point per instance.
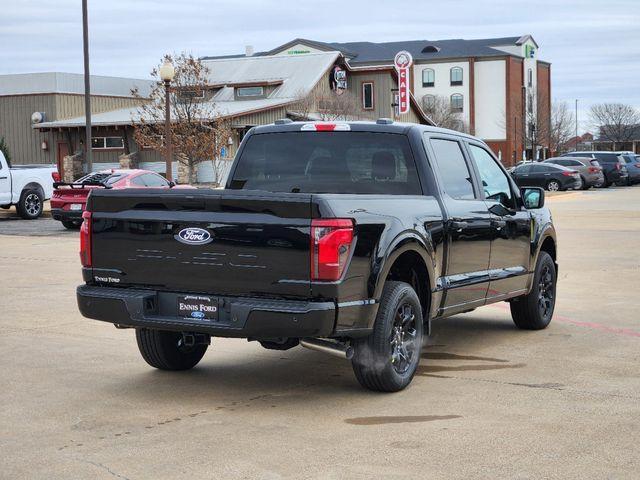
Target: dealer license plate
point(197, 307)
point(76, 206)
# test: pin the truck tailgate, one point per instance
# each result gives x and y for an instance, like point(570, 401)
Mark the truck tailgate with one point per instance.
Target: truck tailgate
point(209, 241)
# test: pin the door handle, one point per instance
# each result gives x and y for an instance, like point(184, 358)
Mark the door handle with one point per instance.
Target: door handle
point(499, 224)
point(3, 178)
point(458, 225)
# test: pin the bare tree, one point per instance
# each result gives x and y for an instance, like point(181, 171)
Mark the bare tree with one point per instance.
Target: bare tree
point(327, 106)
point(561, 126)
point(438, 108)
point(198, 130)
point(616, 122)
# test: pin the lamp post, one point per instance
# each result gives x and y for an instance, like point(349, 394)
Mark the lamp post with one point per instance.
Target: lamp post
point(576, 124)
point(167, 72)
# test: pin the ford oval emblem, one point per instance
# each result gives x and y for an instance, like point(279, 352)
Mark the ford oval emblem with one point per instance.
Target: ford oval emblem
point(197, 314)
point(194, 236)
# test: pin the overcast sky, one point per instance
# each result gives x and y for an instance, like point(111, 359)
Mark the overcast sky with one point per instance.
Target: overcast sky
point(594, 46)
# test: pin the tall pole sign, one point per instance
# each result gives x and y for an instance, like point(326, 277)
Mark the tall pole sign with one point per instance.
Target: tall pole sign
point(402, 62)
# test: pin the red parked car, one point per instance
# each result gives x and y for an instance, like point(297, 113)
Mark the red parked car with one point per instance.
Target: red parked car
point(69, 199)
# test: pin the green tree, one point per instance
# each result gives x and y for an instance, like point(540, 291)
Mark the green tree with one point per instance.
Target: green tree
point(4, 148)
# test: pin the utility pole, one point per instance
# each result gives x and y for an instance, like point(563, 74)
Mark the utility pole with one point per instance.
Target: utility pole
point(87, 87)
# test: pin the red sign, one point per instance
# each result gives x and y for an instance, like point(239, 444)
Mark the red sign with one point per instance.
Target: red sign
point(403, 61)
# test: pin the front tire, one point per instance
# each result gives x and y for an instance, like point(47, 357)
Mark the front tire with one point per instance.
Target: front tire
point(535, 310)
point(163, 350)
point(386, 360)
point(29, 206)
point(553, 186)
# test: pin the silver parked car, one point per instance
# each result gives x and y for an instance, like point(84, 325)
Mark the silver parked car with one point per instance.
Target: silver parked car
point(589, 169)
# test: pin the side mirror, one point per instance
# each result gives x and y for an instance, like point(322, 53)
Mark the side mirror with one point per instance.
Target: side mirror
point(533, 197)
point(172, 184)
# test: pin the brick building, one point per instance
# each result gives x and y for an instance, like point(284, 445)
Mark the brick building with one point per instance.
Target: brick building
point(498, 86)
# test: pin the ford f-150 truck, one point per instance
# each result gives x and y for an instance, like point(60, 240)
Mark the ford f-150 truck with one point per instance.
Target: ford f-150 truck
point(343, 237)
point(26, 187)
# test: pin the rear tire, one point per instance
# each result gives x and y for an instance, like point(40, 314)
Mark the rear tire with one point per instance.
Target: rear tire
point(584, 183)
point(161, 349)
point(71, 224)
point(29, 206)
point(535, 310)
point(386, 360)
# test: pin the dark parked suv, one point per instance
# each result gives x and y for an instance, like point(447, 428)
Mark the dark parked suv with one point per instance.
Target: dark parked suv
point(612, 164)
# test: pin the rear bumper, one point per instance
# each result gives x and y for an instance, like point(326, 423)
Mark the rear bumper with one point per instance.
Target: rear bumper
point(238, 317)
point(66, 215)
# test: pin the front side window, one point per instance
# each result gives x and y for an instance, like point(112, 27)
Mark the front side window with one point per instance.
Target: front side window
point(428, 77)
point(154, 180)
point(456, 76)
point(367, 95)
point(327, 162)
point(456, 103)
point(454, 171)
point(494, 181)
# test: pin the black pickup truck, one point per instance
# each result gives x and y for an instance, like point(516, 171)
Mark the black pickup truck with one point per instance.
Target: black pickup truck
point(343, 237)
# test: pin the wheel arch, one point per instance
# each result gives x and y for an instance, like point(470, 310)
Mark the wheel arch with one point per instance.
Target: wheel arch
point(33, 186)
point(409, 260)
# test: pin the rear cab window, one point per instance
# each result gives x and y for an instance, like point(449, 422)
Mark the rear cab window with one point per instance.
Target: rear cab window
point(327, 162)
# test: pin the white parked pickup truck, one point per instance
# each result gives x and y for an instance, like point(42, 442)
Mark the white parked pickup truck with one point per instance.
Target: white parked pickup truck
point(26, 187)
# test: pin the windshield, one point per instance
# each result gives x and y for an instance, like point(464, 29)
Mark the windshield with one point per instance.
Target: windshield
point(327, 162)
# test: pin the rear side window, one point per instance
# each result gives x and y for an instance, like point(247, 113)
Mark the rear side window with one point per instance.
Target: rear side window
point(111, 179)
point(328, 162)
point(607, 157)
point(454, 171)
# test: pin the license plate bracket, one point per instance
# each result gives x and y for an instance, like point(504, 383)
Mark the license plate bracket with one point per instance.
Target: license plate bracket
point(197, 307)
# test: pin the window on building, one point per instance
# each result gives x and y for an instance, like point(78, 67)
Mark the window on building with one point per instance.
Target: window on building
point(530, 77)
point(101, 143)
point(428, 77)
point(367, 95)
point(250, 91)
point(188, 94)
point(454, 171)
point(428, 102)
point(456, 103)
point(456, 76)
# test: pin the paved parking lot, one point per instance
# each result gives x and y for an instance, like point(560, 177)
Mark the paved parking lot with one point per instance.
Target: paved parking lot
point(489, 401)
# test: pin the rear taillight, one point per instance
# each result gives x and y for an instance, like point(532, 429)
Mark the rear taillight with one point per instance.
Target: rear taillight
point(568, 174)
point(594, 169)
point(618, 167)
point(331, 241)
point(55, 176)
point(85, 240)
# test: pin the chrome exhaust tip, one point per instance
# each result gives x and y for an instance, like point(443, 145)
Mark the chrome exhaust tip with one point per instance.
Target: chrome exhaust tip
point(337, 349)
